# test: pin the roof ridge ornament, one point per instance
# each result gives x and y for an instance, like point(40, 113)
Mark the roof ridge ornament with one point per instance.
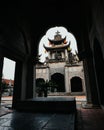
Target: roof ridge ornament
point(57, 33)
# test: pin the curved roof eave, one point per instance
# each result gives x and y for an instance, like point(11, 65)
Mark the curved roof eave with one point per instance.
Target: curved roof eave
point(55, 47)
point(57, 41)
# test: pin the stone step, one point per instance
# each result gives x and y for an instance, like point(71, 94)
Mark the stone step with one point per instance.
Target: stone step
point(52, 104)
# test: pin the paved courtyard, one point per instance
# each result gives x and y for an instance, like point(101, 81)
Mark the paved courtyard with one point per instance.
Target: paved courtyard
point(86, 119)
point(15, 120)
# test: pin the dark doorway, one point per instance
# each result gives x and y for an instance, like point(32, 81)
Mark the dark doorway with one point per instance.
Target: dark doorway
point(39, 87)
point(99, 67)
point(39, 81)
point(76, 84)
point(59, 80)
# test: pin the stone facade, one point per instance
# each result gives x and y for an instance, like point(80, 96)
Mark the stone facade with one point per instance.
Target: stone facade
point(72, 72)
point(69, 72)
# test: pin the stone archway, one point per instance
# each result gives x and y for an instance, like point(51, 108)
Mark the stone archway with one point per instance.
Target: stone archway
point(99, 67)
point(76, 84)
point(59, 80)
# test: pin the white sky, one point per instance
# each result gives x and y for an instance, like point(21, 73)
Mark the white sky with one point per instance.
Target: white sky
point(9, 65)
point(8, 69)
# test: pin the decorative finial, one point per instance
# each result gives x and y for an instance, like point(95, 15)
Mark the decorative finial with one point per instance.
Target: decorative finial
point(57, 33)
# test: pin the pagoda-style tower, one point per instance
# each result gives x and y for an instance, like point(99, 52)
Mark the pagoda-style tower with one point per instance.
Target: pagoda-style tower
point(57, 49)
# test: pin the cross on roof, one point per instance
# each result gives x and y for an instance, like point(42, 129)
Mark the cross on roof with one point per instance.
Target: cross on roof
point(57, 33)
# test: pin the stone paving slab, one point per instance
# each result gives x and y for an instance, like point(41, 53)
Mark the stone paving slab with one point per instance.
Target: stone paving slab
point(37, 121)
point(4, 110)
point(90, 119)
point(45, 122)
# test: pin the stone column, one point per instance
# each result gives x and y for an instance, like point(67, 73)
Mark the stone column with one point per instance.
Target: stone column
point(66, 55)
point(30, 76)
point(17, 83)
point(88, 92)
point(91, 88)
point(83, 85)
point(69, 78)
point(63, 56)
point(1, 69)
point(66, 79)
point(23, 82)
point(34, 82)
point(47, 73)
point(24, 79)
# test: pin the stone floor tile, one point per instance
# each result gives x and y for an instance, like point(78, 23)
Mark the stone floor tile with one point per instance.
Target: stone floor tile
point(36, 121)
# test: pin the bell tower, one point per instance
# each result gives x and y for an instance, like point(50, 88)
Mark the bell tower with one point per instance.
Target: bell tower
point(57, 49)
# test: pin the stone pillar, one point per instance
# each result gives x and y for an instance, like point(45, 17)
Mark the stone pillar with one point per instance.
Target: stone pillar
point(66, 55)
point(83, 85)
point(23, 82)
point(17, 84)
point(63, 56)
point(30, 76)
point(94, 92)
point(47, 73)
point(34, 82)
point(69, 79)
point(1, 68)
point(66, 79)
point(88, 92)
point(91, 88)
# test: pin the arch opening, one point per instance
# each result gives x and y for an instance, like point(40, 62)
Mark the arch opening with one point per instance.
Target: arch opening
point(49, 35)
point(58, 57)
point(76, 84)
point(59, 80)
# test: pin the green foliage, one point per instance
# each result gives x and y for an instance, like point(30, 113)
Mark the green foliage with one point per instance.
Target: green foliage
point(43, 86)
point(52, 85)
point(39, 86)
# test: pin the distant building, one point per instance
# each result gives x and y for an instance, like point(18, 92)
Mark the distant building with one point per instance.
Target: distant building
point(8, 90)
point(8, 82)
point(62, 67)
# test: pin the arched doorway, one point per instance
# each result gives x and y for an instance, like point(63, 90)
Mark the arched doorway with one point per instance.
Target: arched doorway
point(99, 67)
point(39, 87)
point(76, 84)
point(59, 80)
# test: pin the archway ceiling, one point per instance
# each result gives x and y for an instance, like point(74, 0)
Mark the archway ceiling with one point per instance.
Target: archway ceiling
point(37, 17)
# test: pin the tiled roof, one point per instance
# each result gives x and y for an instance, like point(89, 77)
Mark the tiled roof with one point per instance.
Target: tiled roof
point(8, 81)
